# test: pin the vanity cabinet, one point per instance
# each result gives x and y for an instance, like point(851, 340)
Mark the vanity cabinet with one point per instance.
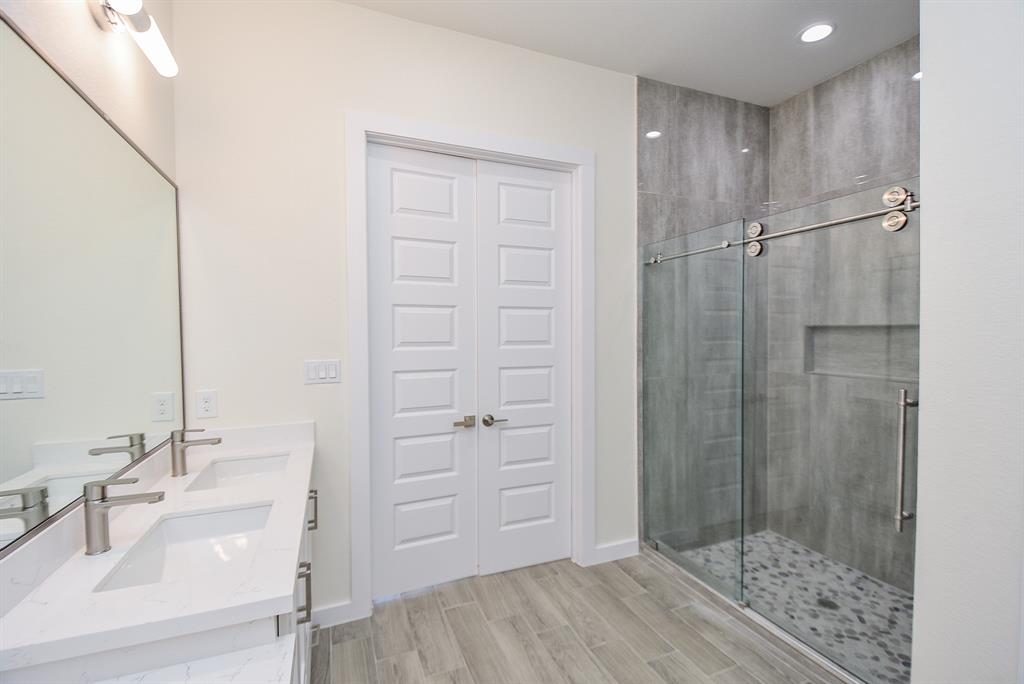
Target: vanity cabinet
point(300, 621)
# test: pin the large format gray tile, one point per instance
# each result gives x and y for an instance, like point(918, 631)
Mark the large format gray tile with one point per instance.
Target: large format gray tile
point(486, 661)
point(431, 635)
point(637, 633)
point(574, 661)
point(352, 662)
point(619, 660)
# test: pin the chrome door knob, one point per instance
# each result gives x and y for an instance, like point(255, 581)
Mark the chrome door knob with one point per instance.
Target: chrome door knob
point(490, 420)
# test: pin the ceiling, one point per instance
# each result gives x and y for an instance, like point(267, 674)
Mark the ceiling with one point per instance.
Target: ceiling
point(745, 49)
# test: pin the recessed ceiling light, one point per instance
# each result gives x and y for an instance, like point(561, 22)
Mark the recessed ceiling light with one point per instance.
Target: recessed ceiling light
point(816, 32)
point(917, 76)
point(653, 134)
point(745, 150)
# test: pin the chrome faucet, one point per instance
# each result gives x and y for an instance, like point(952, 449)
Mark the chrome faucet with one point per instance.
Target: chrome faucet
point(33, 507)
point(135, 448)
point(178, 446)
point(97, 510)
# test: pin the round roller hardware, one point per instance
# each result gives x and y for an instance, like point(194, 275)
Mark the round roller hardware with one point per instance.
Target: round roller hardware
point(755, 230)
point(894, 220)
point(754, 248)
point(895, 196)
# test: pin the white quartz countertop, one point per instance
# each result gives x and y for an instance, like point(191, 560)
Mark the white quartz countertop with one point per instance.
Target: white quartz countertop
point(65, 616)
point(268, 664)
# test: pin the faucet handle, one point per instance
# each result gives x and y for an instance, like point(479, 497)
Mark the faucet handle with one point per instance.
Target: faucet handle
point(179, 435)
point(97, 489)
point(134, 438)
point(30, 496)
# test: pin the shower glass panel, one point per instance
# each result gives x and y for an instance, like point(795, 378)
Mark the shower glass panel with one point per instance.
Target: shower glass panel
point(771, 422)
point(692, 403)
point(831, 318)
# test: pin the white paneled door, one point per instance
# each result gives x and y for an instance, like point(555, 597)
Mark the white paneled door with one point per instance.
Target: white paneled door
point(469, 317)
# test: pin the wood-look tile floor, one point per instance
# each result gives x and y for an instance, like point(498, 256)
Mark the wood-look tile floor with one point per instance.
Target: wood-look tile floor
point(639, 620)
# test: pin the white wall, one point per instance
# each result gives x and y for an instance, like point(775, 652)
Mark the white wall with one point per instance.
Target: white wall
point(108, 67)
point(970, 543)
point(260, 107)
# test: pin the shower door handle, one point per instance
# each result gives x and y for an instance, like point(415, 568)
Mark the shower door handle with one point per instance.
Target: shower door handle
point(902, 404)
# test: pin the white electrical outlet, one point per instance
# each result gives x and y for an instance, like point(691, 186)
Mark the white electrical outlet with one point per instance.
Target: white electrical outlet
point(323, 371)
point(163, 406)
point(206, 404)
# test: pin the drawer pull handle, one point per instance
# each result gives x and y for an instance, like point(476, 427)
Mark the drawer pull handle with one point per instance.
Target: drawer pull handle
point(314, 496)
point(306, 574)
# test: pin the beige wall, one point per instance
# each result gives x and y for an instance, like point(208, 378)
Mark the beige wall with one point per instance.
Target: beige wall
point(970, 506)
point(108, 67)
point(260, 106)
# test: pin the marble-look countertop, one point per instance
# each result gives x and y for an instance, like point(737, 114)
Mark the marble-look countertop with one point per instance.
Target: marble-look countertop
point(268, 664)
point(64, 617)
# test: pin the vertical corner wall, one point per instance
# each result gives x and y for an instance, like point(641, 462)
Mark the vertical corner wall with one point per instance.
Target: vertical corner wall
point(970, 522)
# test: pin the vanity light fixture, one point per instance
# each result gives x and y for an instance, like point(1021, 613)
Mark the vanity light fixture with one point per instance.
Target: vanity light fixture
point(652, 135)
point(917, 76)
point(816, 32)
point(129, 15)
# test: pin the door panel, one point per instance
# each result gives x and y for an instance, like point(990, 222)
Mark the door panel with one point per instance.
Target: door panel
point(422, 222)
point(525, 222)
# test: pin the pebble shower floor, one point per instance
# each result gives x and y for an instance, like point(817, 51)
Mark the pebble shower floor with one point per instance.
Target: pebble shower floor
point(852, 618)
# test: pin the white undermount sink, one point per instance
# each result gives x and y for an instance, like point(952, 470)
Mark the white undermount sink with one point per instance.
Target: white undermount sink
point(192, 547)
point(232, 471)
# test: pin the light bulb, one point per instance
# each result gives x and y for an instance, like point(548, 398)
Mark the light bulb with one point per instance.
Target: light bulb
point(153, 45)
point(816, 32)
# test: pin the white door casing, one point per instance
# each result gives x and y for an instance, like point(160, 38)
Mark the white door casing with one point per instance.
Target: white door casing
point(421, 219)
point(470, 310)
point(524, 364)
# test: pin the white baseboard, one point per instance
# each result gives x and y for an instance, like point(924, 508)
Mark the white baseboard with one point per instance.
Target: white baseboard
point(338, 613)
point(603, 553)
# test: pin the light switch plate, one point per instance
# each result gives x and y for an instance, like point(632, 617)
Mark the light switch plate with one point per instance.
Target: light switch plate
point(162, 407)
point(206, 404)
point(323, 371)
point(21, 384)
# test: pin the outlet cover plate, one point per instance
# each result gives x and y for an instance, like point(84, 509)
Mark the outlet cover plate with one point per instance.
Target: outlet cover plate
point(206, 404)
point(162, 407)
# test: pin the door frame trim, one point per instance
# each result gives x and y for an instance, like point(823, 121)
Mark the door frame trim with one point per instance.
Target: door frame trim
point(362, 128)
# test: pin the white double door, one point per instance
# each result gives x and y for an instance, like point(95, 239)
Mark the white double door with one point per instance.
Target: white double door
point(469, 317)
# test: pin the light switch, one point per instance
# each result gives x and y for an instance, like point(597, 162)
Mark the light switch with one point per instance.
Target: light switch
point(323, 371)
point(21, 384)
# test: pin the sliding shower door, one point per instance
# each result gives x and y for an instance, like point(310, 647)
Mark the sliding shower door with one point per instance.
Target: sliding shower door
point(831, 321)
point(691, 317)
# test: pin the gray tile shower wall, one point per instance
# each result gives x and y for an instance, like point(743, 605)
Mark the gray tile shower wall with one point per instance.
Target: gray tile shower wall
point(696, 174)
point(858, 129)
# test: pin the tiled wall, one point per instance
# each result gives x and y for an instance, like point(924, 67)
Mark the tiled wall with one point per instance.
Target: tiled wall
point(857, 130)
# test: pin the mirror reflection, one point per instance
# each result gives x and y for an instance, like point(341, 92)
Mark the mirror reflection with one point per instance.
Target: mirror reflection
point(90, 340)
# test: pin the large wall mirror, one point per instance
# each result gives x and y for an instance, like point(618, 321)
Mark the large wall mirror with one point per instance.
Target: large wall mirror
point(90, 338)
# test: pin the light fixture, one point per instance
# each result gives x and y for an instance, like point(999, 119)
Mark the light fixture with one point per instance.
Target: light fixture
point(651, 135)
point(917, 76)
point(745, 150)
point(816, 32)
point(131, 16)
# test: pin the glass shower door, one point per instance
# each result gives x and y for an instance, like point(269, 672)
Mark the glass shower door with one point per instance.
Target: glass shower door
point(831, 322)
point(691, 412)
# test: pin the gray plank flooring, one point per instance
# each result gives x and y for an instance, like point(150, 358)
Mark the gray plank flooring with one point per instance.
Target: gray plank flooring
point(640, 620)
